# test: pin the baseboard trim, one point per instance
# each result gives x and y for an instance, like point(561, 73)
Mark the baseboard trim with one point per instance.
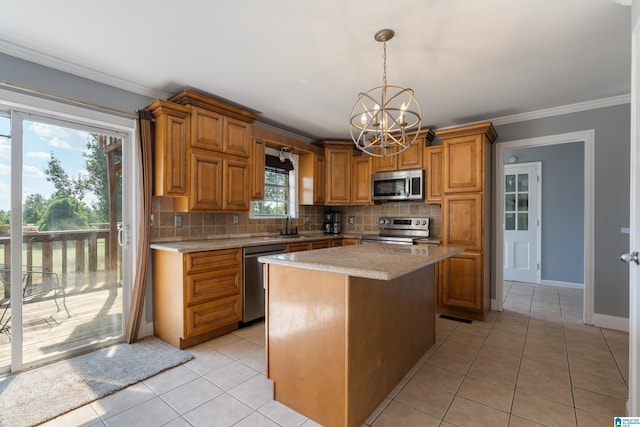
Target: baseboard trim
point(611, 322)
point(562, 284)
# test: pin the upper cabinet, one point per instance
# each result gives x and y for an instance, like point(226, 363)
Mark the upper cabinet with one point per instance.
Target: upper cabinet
point(257, 169)
point(433, 167)
point(347, 175)
point(311, 180)
point(411, 158)
point(202, 153)
point(170, 153)
point(338, 172)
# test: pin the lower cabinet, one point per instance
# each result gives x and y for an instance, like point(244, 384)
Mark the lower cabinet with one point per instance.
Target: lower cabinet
point(461, 287)
point(196, 296)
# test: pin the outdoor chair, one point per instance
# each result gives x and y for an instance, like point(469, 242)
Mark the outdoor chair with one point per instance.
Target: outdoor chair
point(37, 285)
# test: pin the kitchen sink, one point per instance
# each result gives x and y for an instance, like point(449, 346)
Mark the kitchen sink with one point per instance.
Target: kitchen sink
point(282, 236)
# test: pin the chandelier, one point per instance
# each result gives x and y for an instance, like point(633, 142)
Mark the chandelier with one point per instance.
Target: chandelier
point(385, 120)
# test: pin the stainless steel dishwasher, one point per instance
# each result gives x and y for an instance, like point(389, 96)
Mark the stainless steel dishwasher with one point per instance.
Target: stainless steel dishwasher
point(252, 280)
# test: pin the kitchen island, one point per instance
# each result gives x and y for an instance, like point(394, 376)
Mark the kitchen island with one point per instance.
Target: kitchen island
point(344, 325)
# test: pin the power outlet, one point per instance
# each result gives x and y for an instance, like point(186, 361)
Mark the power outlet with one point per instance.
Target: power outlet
point(177, 221)
point(236, 219)
point(352, 220)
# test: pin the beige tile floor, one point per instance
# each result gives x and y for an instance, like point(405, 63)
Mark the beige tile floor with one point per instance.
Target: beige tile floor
point(534, 364)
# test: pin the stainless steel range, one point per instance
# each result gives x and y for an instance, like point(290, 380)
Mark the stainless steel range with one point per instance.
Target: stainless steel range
point(400, 230)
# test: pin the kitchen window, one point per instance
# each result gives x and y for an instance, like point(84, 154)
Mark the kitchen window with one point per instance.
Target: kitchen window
point(280, 190)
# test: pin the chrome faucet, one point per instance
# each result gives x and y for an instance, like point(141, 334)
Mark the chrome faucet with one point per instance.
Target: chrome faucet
point(287, 222)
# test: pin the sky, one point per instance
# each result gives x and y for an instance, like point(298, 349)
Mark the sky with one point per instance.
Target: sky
point(40, 139)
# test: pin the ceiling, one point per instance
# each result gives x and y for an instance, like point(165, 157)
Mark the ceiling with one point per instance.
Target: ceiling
point(301, 64)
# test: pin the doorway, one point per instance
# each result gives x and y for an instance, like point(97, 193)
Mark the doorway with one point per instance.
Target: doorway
point(66, 279)
point(588, 228)
point(521, 222)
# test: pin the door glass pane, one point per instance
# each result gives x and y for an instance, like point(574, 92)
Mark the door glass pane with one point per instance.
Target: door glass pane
point(523, 201)
point(523, 221)
point(509, 183)
point(5, 255)
point(510, 221)
point(72, 277)
point(523, 182)
point(510, 202)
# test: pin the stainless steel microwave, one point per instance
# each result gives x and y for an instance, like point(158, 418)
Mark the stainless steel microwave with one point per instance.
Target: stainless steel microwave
point(398, 185)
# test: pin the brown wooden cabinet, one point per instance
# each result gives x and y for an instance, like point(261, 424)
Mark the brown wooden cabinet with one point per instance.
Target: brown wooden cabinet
point(205, 150)
point(206, 181)
point(196, 296)
point(311, 179)
point(433, 174)
point(257, 169)
point(361, 180)
point(338, 173)
point(464, 286)
point(170, 151)
point(411, 158)
point(348, 176)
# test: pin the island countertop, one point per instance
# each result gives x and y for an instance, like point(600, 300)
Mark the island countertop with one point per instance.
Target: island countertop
point(373, 261)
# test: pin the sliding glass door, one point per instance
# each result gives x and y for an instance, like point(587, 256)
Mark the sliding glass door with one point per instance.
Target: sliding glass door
point(64, 287)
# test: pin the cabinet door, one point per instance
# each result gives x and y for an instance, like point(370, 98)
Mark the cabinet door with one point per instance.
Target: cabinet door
point(210, 315)
point(206, 129)
point(319, 181)
point(236, 184)
point(361, 181)
point(338, 176)
point(257, 170)
point(385, 164)
point(170, 149)
point(236, 137)
point(206, 181)
point(412, 158)
point(350, 241)
point(462, 220)
point(433, 166)
point(463, 165)
point(461, 284)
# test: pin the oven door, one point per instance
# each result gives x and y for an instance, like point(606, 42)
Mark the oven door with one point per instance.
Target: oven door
point(387, 240)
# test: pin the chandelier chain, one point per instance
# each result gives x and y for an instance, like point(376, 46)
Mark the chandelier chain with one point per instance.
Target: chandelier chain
point(384, 63)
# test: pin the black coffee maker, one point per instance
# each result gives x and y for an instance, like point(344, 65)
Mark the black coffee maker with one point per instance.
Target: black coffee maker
point(331, 223)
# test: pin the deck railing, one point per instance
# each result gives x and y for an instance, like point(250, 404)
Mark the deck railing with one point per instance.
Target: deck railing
point(81, 258)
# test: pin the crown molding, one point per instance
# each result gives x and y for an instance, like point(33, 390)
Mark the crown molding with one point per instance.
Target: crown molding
point(50, 61)
point(563, 109)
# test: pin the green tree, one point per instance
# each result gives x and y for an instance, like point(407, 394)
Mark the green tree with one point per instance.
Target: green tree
point(5, 217)
point(65, 186)
point(33, 208)
point(64, 213)
point(97, 181)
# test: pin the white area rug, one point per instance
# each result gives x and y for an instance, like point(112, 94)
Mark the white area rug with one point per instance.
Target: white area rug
point(34, 396)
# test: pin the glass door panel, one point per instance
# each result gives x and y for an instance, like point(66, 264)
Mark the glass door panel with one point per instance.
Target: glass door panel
point(5, 240)
point(72, 280)
point(69, 280)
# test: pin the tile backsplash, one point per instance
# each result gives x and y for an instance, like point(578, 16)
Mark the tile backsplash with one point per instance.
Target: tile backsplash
point(197, 225)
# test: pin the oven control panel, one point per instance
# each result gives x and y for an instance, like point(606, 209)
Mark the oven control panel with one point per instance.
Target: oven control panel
point(404, 223)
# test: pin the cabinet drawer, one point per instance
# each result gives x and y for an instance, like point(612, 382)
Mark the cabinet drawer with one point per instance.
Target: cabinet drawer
point(321, 244)
point(207, 260)
point(205, 317)
point(210, 285)
point(297, 247)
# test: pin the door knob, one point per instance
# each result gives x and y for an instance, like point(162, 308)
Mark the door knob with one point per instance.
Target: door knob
point(632, 257)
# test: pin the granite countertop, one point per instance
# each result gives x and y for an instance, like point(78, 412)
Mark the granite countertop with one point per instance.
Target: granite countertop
point(185, 246)
point(373, 261)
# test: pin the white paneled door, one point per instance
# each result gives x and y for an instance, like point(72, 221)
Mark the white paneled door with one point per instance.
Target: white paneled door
point(521, 222)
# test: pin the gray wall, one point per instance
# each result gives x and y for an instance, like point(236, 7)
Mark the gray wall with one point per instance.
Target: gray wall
point(33, 76)
point(612, 137)
point(562, 208)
